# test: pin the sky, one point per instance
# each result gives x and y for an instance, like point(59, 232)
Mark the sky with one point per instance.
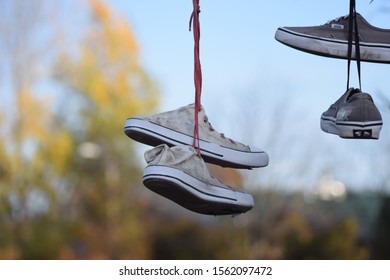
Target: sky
point(238, 48)
point(260, 92)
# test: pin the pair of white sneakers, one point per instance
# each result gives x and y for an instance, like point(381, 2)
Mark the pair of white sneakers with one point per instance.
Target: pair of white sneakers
point(175, 170)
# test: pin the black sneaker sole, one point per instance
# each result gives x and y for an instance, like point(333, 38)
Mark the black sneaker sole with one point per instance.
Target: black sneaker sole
point(195, 195)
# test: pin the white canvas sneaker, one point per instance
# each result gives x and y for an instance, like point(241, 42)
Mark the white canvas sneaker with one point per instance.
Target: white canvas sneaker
point(176, 127)
point(179, 174)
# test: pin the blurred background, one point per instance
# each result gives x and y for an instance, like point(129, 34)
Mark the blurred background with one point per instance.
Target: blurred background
point(71, 187)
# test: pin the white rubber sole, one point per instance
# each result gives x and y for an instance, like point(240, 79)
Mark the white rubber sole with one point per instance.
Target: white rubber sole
point(146, 132)
point(369, 52)
point(194, 194)
point(355, 130)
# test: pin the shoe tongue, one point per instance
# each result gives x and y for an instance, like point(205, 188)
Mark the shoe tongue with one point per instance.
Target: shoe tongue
point(355, 92)
point(352, 92)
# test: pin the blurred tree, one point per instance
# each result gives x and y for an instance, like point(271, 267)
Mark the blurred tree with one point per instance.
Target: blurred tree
point(68, 174)
point(186, 239)
point(340, 242)
point(24, 179)
point(381, 243)
point(287, 227)
point(110, 85)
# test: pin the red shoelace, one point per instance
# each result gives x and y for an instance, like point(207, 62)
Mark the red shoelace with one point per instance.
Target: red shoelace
point(194, 22)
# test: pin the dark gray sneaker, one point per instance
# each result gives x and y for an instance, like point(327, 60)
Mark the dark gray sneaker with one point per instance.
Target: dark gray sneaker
point(331, 39)
point(353, 115)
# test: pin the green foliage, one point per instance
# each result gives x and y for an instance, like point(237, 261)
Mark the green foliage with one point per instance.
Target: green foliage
point(188, 240)
point(339, 242)
point(381, 243)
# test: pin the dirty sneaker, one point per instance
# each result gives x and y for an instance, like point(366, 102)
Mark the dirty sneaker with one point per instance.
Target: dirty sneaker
point(353, 115)
point(331, 39)
point(179, 174)
point(176, 127)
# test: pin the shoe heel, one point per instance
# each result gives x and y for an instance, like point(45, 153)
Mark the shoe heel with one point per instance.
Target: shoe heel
point(360, 133)
point(375, 131)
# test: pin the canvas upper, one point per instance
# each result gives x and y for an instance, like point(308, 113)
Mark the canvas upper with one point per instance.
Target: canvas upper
point(331, 39)
point(337, 29)
point(354, 105)
point(182, 120)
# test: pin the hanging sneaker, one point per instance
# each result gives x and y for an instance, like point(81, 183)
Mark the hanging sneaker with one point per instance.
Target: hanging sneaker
point(177, 128)
point(179, 174)
point(353, 115)
point(331, 39)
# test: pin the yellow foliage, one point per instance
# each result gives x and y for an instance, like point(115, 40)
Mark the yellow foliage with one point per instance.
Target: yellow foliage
point(106, 84)
point(107, 72)
point(115, 29)
point(59, 150)
point(33, 115)
point(100, 10)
